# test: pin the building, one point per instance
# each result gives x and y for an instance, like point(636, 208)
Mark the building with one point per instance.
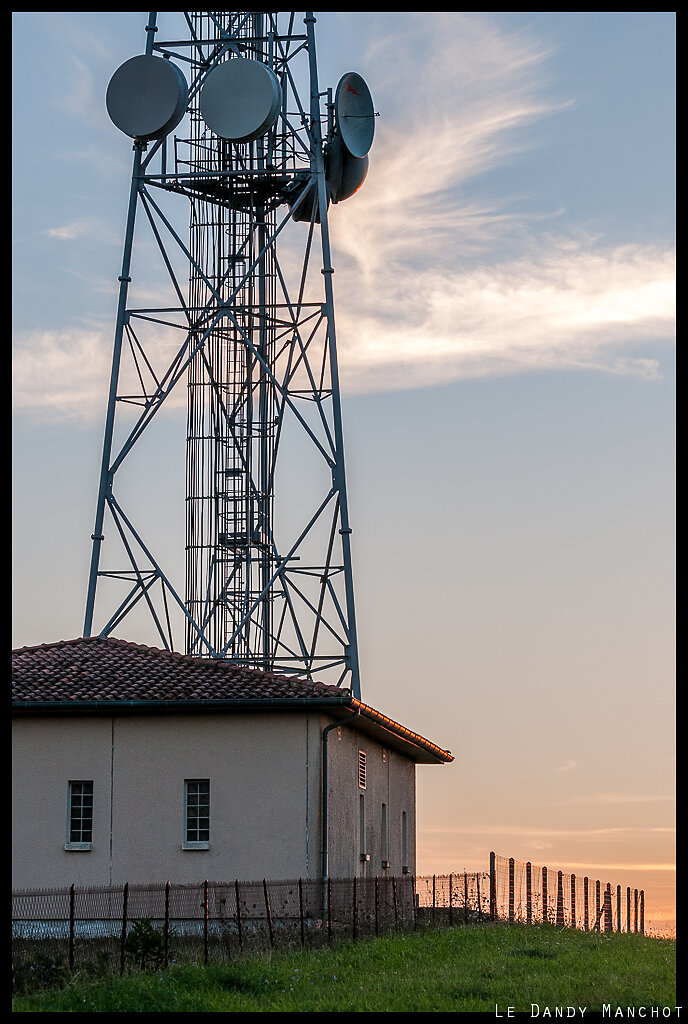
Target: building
point(143, 765)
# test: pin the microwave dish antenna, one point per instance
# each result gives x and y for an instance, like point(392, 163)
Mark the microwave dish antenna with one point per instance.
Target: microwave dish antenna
point(147, 97)
point(344, 173)
point(241, 99)
point(354, 114)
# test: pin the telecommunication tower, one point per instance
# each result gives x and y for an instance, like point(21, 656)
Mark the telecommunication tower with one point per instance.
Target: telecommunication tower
point(230, 127)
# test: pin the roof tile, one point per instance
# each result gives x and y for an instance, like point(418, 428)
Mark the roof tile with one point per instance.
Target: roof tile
point(107, 669)
point(104, 669)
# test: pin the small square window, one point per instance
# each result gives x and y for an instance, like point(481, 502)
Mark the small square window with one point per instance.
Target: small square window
point(79, 815)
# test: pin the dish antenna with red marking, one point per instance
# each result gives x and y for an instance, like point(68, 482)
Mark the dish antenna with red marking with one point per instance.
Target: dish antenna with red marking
point(346, 153)
point(354, 114)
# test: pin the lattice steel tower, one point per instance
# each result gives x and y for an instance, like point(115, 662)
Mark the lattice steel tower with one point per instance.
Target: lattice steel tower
point(230, 125)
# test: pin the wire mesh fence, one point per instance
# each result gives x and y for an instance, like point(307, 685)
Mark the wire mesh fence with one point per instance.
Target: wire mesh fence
point(524, 892)
point(459, 898)
point(106, 929)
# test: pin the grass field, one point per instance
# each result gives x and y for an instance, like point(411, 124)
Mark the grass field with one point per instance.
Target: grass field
point(485, 968)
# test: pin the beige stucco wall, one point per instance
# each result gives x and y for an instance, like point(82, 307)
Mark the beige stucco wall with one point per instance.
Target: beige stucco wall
point(389, 780)
point(265, 794)
point(47, 754)
point(264, 773)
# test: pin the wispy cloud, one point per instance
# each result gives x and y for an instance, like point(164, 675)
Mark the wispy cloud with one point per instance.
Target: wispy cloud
point(603, 846)
point(574, 308)
point(82, 99)
point(607, 866)
point(611, 799)
point(60, 375)
point(459, 110)
point(64, 375)
point(528, 831)
point(434, 285)
point(75, 230)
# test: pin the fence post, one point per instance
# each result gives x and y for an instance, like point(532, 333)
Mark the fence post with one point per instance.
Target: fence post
point(415, 904)
point(511, 890)
point(205, 921)
point(586, 899)
point(72, 901)
point(238, 914)
point(573, 901)
point(394, 895)
point(329, 909)
point(434, 882)
point(642, 911)
point(166, 926)
point(545, 897)
point(122, 949)
point(628, 908)
point(597, 904)
point(465, 897)
point(355, 913)
point(477, 885)
point(608, 908)
point(529, 893)
point(267, 911)
point(618, 908)
point(303, 938)
point(493, 888)
point(635, 914)
point(560, 900)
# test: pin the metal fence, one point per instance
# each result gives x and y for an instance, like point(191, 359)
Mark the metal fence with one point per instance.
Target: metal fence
point(462, 897)
point(529, 894)
point(105, 929)
point(99, 928)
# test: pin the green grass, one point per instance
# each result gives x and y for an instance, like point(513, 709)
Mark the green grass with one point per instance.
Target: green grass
point(459, 969)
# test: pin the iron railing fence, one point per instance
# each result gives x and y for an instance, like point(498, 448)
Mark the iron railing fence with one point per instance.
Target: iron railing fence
point(99, 927)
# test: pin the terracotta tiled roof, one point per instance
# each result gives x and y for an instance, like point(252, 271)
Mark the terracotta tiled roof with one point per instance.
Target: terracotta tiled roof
point(106, 669)
point(86, 673)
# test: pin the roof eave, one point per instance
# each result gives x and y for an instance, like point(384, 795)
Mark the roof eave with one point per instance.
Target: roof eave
point(193, 705)
point(372, 722)
point(422, 750)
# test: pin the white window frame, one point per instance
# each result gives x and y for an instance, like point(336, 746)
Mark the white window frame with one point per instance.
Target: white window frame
point(195, 844)
point(81, 845)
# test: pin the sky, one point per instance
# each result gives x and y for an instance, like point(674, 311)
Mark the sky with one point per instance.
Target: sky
point(504, 292)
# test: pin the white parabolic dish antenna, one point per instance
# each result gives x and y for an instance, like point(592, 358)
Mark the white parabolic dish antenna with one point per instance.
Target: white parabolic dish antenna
point(147, 97)
point(354, 114)
point(240, 99)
